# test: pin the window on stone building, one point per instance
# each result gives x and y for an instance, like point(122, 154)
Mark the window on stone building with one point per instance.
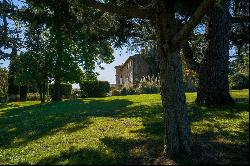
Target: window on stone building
point(131, 77)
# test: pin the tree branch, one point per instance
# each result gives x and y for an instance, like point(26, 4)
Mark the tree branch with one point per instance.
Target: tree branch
point(189, 57)
point(121, 10)
point(188, 27)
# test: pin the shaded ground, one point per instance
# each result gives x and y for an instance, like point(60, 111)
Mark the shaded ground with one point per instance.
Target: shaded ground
point(119, 130)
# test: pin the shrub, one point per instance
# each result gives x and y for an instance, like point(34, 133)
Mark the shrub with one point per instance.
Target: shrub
point(33, 96)
point(94, 88)
point(33, 88)
point(65, 90)
point(116, 92)
point(128, 91)
point(149, 85)
point(12, 98)
point(124, 91)
point(3, 99)
point(76, 93)
point(238, 81)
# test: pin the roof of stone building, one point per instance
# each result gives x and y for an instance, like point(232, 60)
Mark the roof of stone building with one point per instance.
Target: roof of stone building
point(131, 57)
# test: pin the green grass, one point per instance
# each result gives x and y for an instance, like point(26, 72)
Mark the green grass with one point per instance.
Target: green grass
point(119, 130)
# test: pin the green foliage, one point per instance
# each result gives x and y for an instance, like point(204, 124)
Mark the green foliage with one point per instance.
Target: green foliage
point(123, 91)
point(13, 88)
point(3, 84)
point(33, 88)
point(240, 61)
point(65, 89)
point(115, 92)
point(147, 85)
point(239, 81)
point(59, 49)
point(128, 91)
point(239, 68)
point(190, 77)
point(94, 88)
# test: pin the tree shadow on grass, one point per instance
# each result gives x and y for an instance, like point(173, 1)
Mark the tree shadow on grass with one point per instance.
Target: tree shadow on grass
point(217, 142)
point(19, 126)
point(198, 112)
point(122, 152)
point(6, 105)
point(79, 157)
point(145, 149)
point(148, 147)
point(126, 151)
point(207, 150)
point(215, 145)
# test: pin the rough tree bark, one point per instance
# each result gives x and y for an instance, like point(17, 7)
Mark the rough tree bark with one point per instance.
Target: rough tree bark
point(213, 74)
point(177, 128)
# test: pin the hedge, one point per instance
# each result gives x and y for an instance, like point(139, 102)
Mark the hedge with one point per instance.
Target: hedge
point(94, 88)
point(65, 90)
point(238, 81)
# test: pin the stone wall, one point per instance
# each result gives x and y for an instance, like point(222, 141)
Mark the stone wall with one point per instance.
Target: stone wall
point(118, 75)
point(141, 69)
point(124, 73)
point(132, 71)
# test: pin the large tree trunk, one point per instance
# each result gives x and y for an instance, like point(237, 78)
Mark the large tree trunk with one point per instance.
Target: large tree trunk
point(174, 105)
point(177, 127)
point(213, 74)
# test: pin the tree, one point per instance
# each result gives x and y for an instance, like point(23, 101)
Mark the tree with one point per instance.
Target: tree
point(59, 49)
point(150, 56)
point(162, 15)
point(13, 88)
point(213, 65)
point(239, 67)
point(10, 39)
point(213, 73)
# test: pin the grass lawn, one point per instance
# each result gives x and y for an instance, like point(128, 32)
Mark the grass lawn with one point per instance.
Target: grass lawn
point(119, 130)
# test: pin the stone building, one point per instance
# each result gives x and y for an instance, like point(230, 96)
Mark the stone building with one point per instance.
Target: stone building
point(132, 71)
